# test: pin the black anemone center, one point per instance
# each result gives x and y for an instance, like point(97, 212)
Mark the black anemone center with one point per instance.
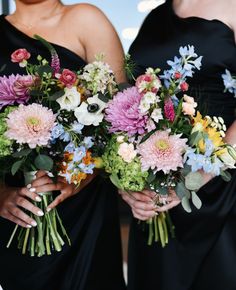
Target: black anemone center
point(92, 108)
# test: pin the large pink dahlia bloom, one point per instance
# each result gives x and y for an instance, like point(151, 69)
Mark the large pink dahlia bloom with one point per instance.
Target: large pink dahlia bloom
point(9, 90)
point(30, 125)
point(123, 112)
point(162, 151)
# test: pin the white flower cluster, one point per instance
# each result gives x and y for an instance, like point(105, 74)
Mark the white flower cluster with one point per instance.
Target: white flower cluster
point(98, 76)
point(218, 123)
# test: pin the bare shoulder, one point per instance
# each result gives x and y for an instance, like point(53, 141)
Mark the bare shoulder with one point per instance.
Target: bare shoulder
point(84, 13)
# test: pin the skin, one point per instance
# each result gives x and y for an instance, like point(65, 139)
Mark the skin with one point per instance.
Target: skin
point(143, 204)
point(76, 28)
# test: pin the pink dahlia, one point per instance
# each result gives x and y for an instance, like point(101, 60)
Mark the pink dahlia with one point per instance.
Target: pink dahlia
point(8, 92)
point(162, 151)
point(30, 125)
point(123, 112)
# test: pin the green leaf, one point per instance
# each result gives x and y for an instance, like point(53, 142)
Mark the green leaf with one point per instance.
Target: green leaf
point(186, 170)
point(226, 176)
point(44, 69)
point(186, 204)
point(16, 166)
point(162, 190)
point(56, 95)
point(151, 177)
point(22, 153)
point(115, 180)
point(182, 191)
point(193, 181)
point(43, 162)
point(196, 200)
point(195, 138)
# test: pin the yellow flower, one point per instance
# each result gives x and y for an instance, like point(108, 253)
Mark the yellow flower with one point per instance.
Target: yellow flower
point(199, 124)
point(215, 137)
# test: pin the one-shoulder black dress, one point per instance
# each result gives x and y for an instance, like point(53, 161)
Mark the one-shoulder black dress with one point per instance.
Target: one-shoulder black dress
point(203, 255)
point(93, 262)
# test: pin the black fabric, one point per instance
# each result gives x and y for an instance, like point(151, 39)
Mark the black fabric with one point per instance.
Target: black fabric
point(94, 261)
point(203, 255)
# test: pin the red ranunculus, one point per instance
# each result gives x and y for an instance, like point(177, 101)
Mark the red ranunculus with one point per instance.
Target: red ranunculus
point(68, 77)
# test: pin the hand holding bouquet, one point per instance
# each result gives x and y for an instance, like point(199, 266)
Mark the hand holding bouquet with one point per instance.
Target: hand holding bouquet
point(50, 121)
point(158, 142)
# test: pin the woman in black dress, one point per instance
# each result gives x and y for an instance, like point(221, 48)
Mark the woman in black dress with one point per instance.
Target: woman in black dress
point(203, 254)
point(93, 262)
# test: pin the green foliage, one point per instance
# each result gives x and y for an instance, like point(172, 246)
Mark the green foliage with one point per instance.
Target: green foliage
point(43, 162)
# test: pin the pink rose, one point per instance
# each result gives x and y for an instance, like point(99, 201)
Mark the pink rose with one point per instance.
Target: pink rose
point(178, 75)
point(20, 55)
point(68, 78)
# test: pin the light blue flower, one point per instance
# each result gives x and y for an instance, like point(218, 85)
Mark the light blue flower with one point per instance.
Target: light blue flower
point(195, 161)
point(229, 82)
point(88, 169)
point(187, 51)
point(70, 147)
point(65, 137)
point(57, 131)
point(79, 154)
point(209, 147)
point(88, 142)
point(77, 127)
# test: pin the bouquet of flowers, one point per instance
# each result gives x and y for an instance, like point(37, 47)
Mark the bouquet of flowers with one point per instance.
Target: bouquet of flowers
point(158, 141)
point(50, 121)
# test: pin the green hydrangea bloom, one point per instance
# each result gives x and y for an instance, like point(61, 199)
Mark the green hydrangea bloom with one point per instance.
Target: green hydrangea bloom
point(129, 175)
point(5, 143)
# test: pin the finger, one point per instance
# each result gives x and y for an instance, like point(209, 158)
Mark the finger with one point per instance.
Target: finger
point(24, 203)
point(40, 173)
point(31, 193)
point(141, 197)
point(20, 215)
point(16, 220)
point(50, 187)
point(168, 206)
point(145, 214)
point(59, 199)
point(150, 193)
point(139, 204)
point(41, 181)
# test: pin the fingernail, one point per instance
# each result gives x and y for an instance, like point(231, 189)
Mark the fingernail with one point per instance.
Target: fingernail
point(34, 177)
point(156, 213)
point(37, 198)
point(32, 189)
point(49, 209)
point(29, 186)
point(40, 213)
point(34, 224)
point(41, 193)
point(29, 226)
point(49, 174)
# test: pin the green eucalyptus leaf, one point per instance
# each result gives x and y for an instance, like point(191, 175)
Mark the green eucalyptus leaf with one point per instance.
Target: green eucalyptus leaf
point(226, 176)
point(196, 200)
point(56, 95)
point(182, 191)
point(43, 162)
point(186, 170)
point(115, 180)
point(186, 205)
point(162, 190)
point(193, 181)
point(16, 166)
point(195, 138)
point(151, 177)
point(41, 70)
point(22, 153)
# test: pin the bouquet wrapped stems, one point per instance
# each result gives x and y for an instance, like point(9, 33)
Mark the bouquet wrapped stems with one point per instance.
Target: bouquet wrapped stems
point(48, 233)
point(159, 228)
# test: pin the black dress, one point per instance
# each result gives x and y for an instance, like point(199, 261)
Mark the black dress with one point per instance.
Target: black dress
point(203, 255)
point(94, 261)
